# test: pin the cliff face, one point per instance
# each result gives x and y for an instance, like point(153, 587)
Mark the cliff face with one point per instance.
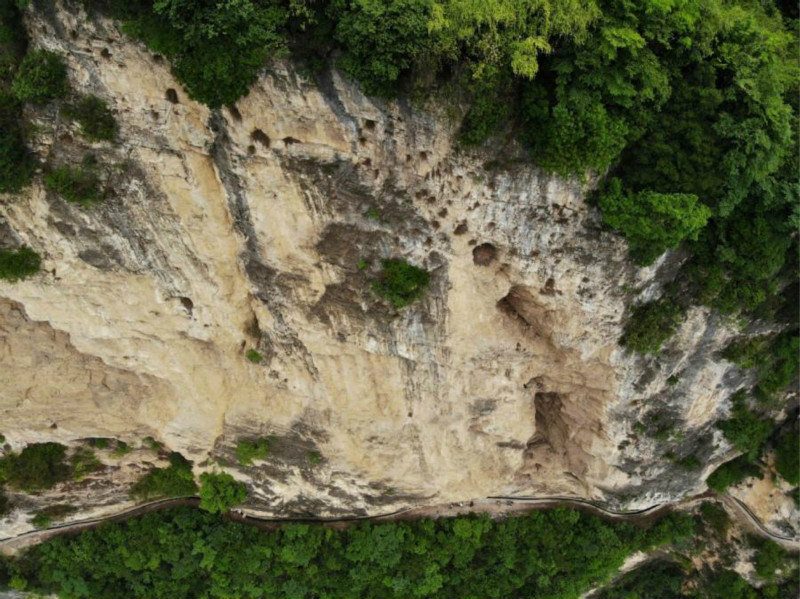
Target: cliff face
point(262, 226)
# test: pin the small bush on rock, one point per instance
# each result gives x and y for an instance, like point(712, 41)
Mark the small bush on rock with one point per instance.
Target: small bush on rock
point(75, 185)
point(400, 282)
point(37, 467)
point(18, 264)
point(41, 76)
point(96, 120)
point(650, 325)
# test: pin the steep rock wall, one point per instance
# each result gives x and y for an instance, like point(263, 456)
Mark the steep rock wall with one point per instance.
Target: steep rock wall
point(250, 228)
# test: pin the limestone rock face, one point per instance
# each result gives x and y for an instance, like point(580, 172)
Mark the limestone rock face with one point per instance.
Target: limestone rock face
point(261, 227)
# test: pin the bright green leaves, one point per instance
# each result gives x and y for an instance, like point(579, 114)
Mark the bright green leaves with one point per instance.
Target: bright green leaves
point(652, 222)
point(176, 480)
point(219, 492)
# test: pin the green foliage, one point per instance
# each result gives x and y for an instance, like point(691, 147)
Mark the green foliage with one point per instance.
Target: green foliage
point(41, 76)
point(151, 443)
point(99, 442)
point(16, 164)
point(490, 106)
point(774, 357)
point(77, 185)
point(216, 50)
point(176, 480)
point(400, 282)
point(787, 457)
point(314, 457)
point(745, 429)
point(53, 513)
point(362, 264)
point(121, 448)
point(96, 120)
point(18, 264)
point(716, 517)
point(188, 553)
point(655, 579)
point(38, 467)
point(5, 503)
point(650, 325)
point(652, 222)
point(83, 462)
point(248, 450)
point(732, 473)
point(219, 492)
point(253, 356)
point(380, 39)
point(770, 558)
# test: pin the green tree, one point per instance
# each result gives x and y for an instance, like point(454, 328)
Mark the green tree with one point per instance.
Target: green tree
point(38, 467)
point(651, 324)
point(219, 492)
point(41, 76)
point(96, 120)
point(652, 222)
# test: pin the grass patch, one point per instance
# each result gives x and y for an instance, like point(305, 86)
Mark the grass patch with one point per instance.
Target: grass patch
point(74, 185)
point(151, 443)
point(314, 457)
point(53, 513)
point(400, 282)
point(83, 461)
point(253, 356)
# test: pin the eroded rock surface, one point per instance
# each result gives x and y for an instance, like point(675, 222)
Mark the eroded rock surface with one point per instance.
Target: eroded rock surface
point(262, 228)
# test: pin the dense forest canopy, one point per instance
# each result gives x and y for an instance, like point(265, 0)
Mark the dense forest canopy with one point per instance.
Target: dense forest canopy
point(184, 552)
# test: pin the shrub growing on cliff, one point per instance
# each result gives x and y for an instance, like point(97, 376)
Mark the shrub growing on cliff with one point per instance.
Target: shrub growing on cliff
point(18, 264)
point(176, 480)
point(400, 282)
point(95, 119)
point(53, 513)
point(650, 325)
point(75, 185)
point(37, 467)
point(248, 450)
point(732, 473)
point(41, 76)
point(219, 492)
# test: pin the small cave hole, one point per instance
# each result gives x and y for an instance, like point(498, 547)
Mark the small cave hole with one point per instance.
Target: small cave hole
point(251, 149)
point(290, 140)
point(172, 96)
point(187, 303)
point(105, 53)
point(369, 124)
point(460, 229)
point(261, 137)
point(442, 213)
point(484, 254)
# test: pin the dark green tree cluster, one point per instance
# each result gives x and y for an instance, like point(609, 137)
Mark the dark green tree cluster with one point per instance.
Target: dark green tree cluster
point(189, 553)
point(219, 492)
point(18, 263)
point(77, 185)
point(651, 324)
point(39, 466)
point(176, 480)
